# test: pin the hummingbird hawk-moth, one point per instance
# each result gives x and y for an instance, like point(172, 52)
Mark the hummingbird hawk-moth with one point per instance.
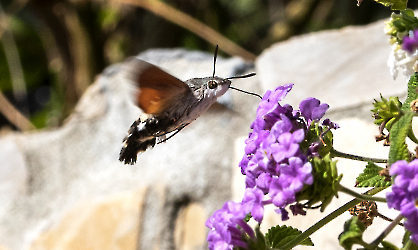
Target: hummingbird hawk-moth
point(168, 105)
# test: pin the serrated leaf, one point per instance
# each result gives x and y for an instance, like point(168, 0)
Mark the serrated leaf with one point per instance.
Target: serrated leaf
point(388, 246)
point(352, 234)
point(279, 236)
point(398, 133)
point(412, 92)
point(371, 178)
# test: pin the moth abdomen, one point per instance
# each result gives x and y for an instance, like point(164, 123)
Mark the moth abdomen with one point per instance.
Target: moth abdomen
point(131, 149)
point(143, 134)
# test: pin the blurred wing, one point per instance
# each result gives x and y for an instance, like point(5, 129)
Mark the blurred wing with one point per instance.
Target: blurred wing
point(157, 89)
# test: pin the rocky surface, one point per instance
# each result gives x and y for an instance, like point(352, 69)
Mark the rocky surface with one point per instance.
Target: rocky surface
point(66, 189)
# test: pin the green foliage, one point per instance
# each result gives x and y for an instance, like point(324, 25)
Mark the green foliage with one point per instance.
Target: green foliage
point(371, 178)
point(315, 134)
point(108, 17)
point(279, 236)
point(386, 111)
point(398, 133)
point(407, 243)
point(327, 138)
point(31, 55)
point(39, 120)
point(258, 244)
point(388, 246)
point(400, 24)
point(248, 217)
point(412, 92)
point(352, 234)
point(326, 183)
point(395, 4)
point(412, 96)
point(413, 246)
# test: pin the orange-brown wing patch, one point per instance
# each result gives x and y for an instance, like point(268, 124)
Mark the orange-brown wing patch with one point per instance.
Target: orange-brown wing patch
point(153, 101)
point(157, 89)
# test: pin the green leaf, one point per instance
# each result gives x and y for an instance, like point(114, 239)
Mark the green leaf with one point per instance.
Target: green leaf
point(260, 243)
point(352, 234)
point(314, 134)
point(407, 243)
point(388, 111)
point(413, 246)
point(326, 183)
point(388, 246)
point(412, 96)
point(400, 24)
point(396, 4)
point(279, 236)
point(398, 133)
point(411, 136)
point(412, 92)
point(248, 217)
point(371, 178)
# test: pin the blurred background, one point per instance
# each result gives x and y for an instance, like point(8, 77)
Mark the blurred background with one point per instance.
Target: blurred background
point(51, 51)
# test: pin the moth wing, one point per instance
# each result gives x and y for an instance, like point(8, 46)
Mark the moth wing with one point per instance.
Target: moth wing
point(157, 89)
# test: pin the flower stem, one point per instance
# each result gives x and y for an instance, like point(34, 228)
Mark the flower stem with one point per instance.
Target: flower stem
point(361, 196)
point(336, 153)
point(408, 245)
point(383, 217)
point(387, 230)
point(320, 224)
point(291, 244)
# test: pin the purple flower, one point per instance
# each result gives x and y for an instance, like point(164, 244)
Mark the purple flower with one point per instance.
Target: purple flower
point(259, 163)
point(254, 198)
point(293, 177)
point(263, 182)
point(312, 109)
point(270, 105)
point(284, 213)
point(224, 233)
point(404, 195)
point(410, 43)
point(254, 141)
point(313, 149)
point(282, 125)
point(297, 209)
point(296, 173)
point(330, 124)
point(280, 193)
point(287, 145)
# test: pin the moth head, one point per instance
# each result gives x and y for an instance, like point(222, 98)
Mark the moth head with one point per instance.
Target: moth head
point(217, 86)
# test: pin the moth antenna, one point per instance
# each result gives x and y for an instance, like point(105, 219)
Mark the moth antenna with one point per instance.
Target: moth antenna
point(246, 92)
point(214, 60)
point(243, 76)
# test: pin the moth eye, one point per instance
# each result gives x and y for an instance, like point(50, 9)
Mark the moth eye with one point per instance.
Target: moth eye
point(212, 84)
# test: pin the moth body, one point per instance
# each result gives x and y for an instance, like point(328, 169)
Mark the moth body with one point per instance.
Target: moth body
point(168, 104)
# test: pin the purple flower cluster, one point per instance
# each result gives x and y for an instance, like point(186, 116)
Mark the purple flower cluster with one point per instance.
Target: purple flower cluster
point(404, 195)
point(410, 42)
point(274, 164)
point(224, 233)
